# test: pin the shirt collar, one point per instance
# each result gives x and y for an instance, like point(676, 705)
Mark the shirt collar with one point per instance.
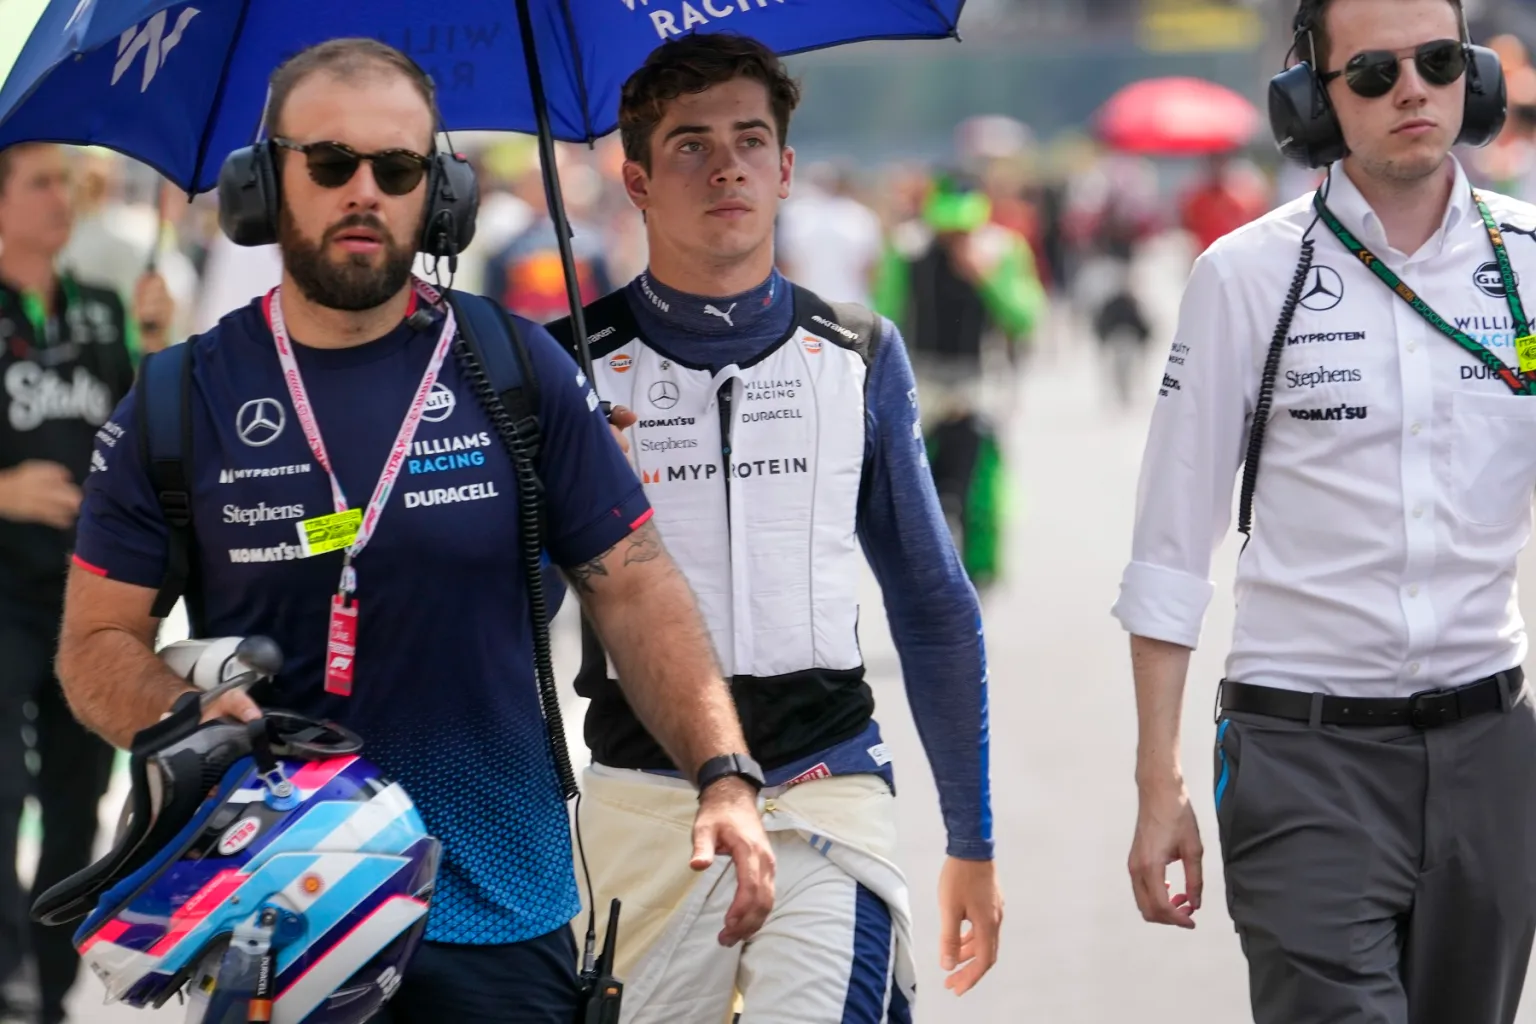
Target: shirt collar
point(1346, 202)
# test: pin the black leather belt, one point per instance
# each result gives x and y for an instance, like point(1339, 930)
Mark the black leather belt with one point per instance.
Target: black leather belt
point(1426, 709)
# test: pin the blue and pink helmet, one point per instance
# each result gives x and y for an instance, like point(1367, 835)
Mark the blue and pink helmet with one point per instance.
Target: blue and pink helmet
point(266, 869)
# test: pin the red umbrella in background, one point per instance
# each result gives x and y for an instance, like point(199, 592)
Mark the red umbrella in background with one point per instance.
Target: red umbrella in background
point(1176, 117)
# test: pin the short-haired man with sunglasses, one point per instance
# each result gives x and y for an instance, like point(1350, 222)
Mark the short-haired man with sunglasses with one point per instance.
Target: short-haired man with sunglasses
point(1375, 755)
point(441, 688)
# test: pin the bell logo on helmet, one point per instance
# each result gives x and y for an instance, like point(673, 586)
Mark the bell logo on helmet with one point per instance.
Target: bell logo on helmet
point(238, 836)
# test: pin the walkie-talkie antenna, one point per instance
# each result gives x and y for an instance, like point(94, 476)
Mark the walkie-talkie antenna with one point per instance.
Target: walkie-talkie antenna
point(610, 942)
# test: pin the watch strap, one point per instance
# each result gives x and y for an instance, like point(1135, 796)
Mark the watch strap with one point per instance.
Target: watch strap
point(730, 766)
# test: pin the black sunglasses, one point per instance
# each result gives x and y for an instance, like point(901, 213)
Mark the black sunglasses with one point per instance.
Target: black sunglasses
point(1374, 72)
point(332, 164)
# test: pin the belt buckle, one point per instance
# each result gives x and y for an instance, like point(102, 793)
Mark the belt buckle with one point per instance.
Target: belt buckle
point(1430, 708)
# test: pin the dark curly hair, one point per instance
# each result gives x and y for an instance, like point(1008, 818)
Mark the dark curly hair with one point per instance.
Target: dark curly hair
point(692, 64)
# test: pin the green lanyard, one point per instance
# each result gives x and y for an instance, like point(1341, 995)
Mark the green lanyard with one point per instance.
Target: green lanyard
point(36, 310)
point(1521, 381)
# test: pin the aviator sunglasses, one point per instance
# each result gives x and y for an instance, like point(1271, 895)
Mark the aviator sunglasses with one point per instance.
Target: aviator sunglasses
point(332, 164)
point(1373, 73)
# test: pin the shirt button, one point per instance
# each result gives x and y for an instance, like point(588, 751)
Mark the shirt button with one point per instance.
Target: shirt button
point(1413, 669)
point(1414, 430)
point(1413, 590)
point(1418, 512)
point(1413, 346)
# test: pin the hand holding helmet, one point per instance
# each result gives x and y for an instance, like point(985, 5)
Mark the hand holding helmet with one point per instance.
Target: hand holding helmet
point(260, 866)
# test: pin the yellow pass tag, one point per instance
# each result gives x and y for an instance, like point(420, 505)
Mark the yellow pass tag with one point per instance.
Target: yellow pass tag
point(1525, 348)
point(329, 533)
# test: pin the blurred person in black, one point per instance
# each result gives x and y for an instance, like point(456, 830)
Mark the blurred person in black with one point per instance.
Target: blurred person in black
point(67, 354)
point(1111, 211)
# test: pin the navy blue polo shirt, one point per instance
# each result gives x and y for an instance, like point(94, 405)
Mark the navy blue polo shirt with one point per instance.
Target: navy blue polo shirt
point(444, 694)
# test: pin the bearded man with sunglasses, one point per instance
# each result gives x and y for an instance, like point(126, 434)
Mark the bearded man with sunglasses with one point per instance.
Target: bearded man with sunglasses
point(1375, 757)
point(441, 686)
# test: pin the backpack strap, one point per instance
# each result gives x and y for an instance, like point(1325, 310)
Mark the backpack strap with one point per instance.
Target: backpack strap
point(611, 325)
point(845, 324)
point(497, 343)
point(163, 400)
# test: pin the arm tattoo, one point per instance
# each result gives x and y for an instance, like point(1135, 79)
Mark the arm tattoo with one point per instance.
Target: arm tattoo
point(581, 575)
point(644, 545)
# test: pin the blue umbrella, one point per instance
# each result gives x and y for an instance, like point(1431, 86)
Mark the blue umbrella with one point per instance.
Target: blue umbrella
point(179, 84)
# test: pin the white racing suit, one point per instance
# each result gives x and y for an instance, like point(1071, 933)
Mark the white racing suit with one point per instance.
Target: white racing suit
point(837, 946)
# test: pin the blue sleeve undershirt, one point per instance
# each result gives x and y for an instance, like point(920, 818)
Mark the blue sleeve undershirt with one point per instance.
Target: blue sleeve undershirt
point(934, 614)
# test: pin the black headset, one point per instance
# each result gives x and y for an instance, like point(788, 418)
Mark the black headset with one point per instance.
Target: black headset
point(250, 197)
point(1306, 127)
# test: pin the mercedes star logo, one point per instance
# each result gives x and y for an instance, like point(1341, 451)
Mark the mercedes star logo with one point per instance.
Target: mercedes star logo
point(1323, 290)
point(663, 394)
point(260, 421)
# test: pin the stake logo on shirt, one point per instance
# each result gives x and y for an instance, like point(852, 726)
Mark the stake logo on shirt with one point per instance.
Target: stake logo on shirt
point(38, 395)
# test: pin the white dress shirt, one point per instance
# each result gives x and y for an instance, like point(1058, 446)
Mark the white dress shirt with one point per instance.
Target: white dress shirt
point(1385, 533)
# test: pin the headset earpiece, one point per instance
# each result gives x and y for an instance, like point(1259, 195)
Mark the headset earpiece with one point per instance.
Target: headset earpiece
point(248, 196)
point(1487, 100)
point(453, 200)
point(1303, 121)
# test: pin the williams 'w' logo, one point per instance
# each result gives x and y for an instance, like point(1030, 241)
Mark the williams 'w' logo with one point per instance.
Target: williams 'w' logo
point(156, 43)
point(650, 476)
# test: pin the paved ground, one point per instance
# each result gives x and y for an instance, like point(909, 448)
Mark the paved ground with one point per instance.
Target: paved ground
point(1063, 733)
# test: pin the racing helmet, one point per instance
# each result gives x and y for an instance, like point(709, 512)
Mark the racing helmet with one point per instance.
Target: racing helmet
point(264, 868)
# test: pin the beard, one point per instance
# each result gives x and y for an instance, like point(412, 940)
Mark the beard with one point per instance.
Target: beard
point(352, 284)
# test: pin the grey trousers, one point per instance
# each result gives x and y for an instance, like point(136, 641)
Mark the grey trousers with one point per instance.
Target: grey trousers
point(1381, 875)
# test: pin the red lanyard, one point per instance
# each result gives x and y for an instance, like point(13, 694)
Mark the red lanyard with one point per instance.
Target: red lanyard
point(343, 631)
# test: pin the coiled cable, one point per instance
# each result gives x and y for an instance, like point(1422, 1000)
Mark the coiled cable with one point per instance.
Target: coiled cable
point(1267, 390)
point(530, 500)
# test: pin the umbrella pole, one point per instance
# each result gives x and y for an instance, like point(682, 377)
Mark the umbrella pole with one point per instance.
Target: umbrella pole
point(552, 191)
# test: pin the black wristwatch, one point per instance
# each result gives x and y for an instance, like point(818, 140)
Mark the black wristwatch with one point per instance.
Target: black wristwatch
point(727, 766)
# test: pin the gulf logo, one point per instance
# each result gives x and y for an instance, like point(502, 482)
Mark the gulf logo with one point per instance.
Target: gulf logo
point(812, 345)
point(620, 363)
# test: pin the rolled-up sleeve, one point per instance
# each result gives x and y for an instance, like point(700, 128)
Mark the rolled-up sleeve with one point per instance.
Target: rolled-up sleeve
point(1194, 448)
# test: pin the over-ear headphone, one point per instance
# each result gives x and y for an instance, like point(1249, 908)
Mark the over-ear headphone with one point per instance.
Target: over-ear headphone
point(1306, 127)
point(249, 198)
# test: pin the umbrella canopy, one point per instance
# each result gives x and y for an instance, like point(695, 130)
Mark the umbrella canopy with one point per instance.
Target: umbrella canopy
point(1176, 117)
point(179, 84)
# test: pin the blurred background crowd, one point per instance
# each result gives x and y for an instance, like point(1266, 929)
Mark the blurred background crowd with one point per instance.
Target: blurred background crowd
point(1083, 130)
point(1017, 185)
